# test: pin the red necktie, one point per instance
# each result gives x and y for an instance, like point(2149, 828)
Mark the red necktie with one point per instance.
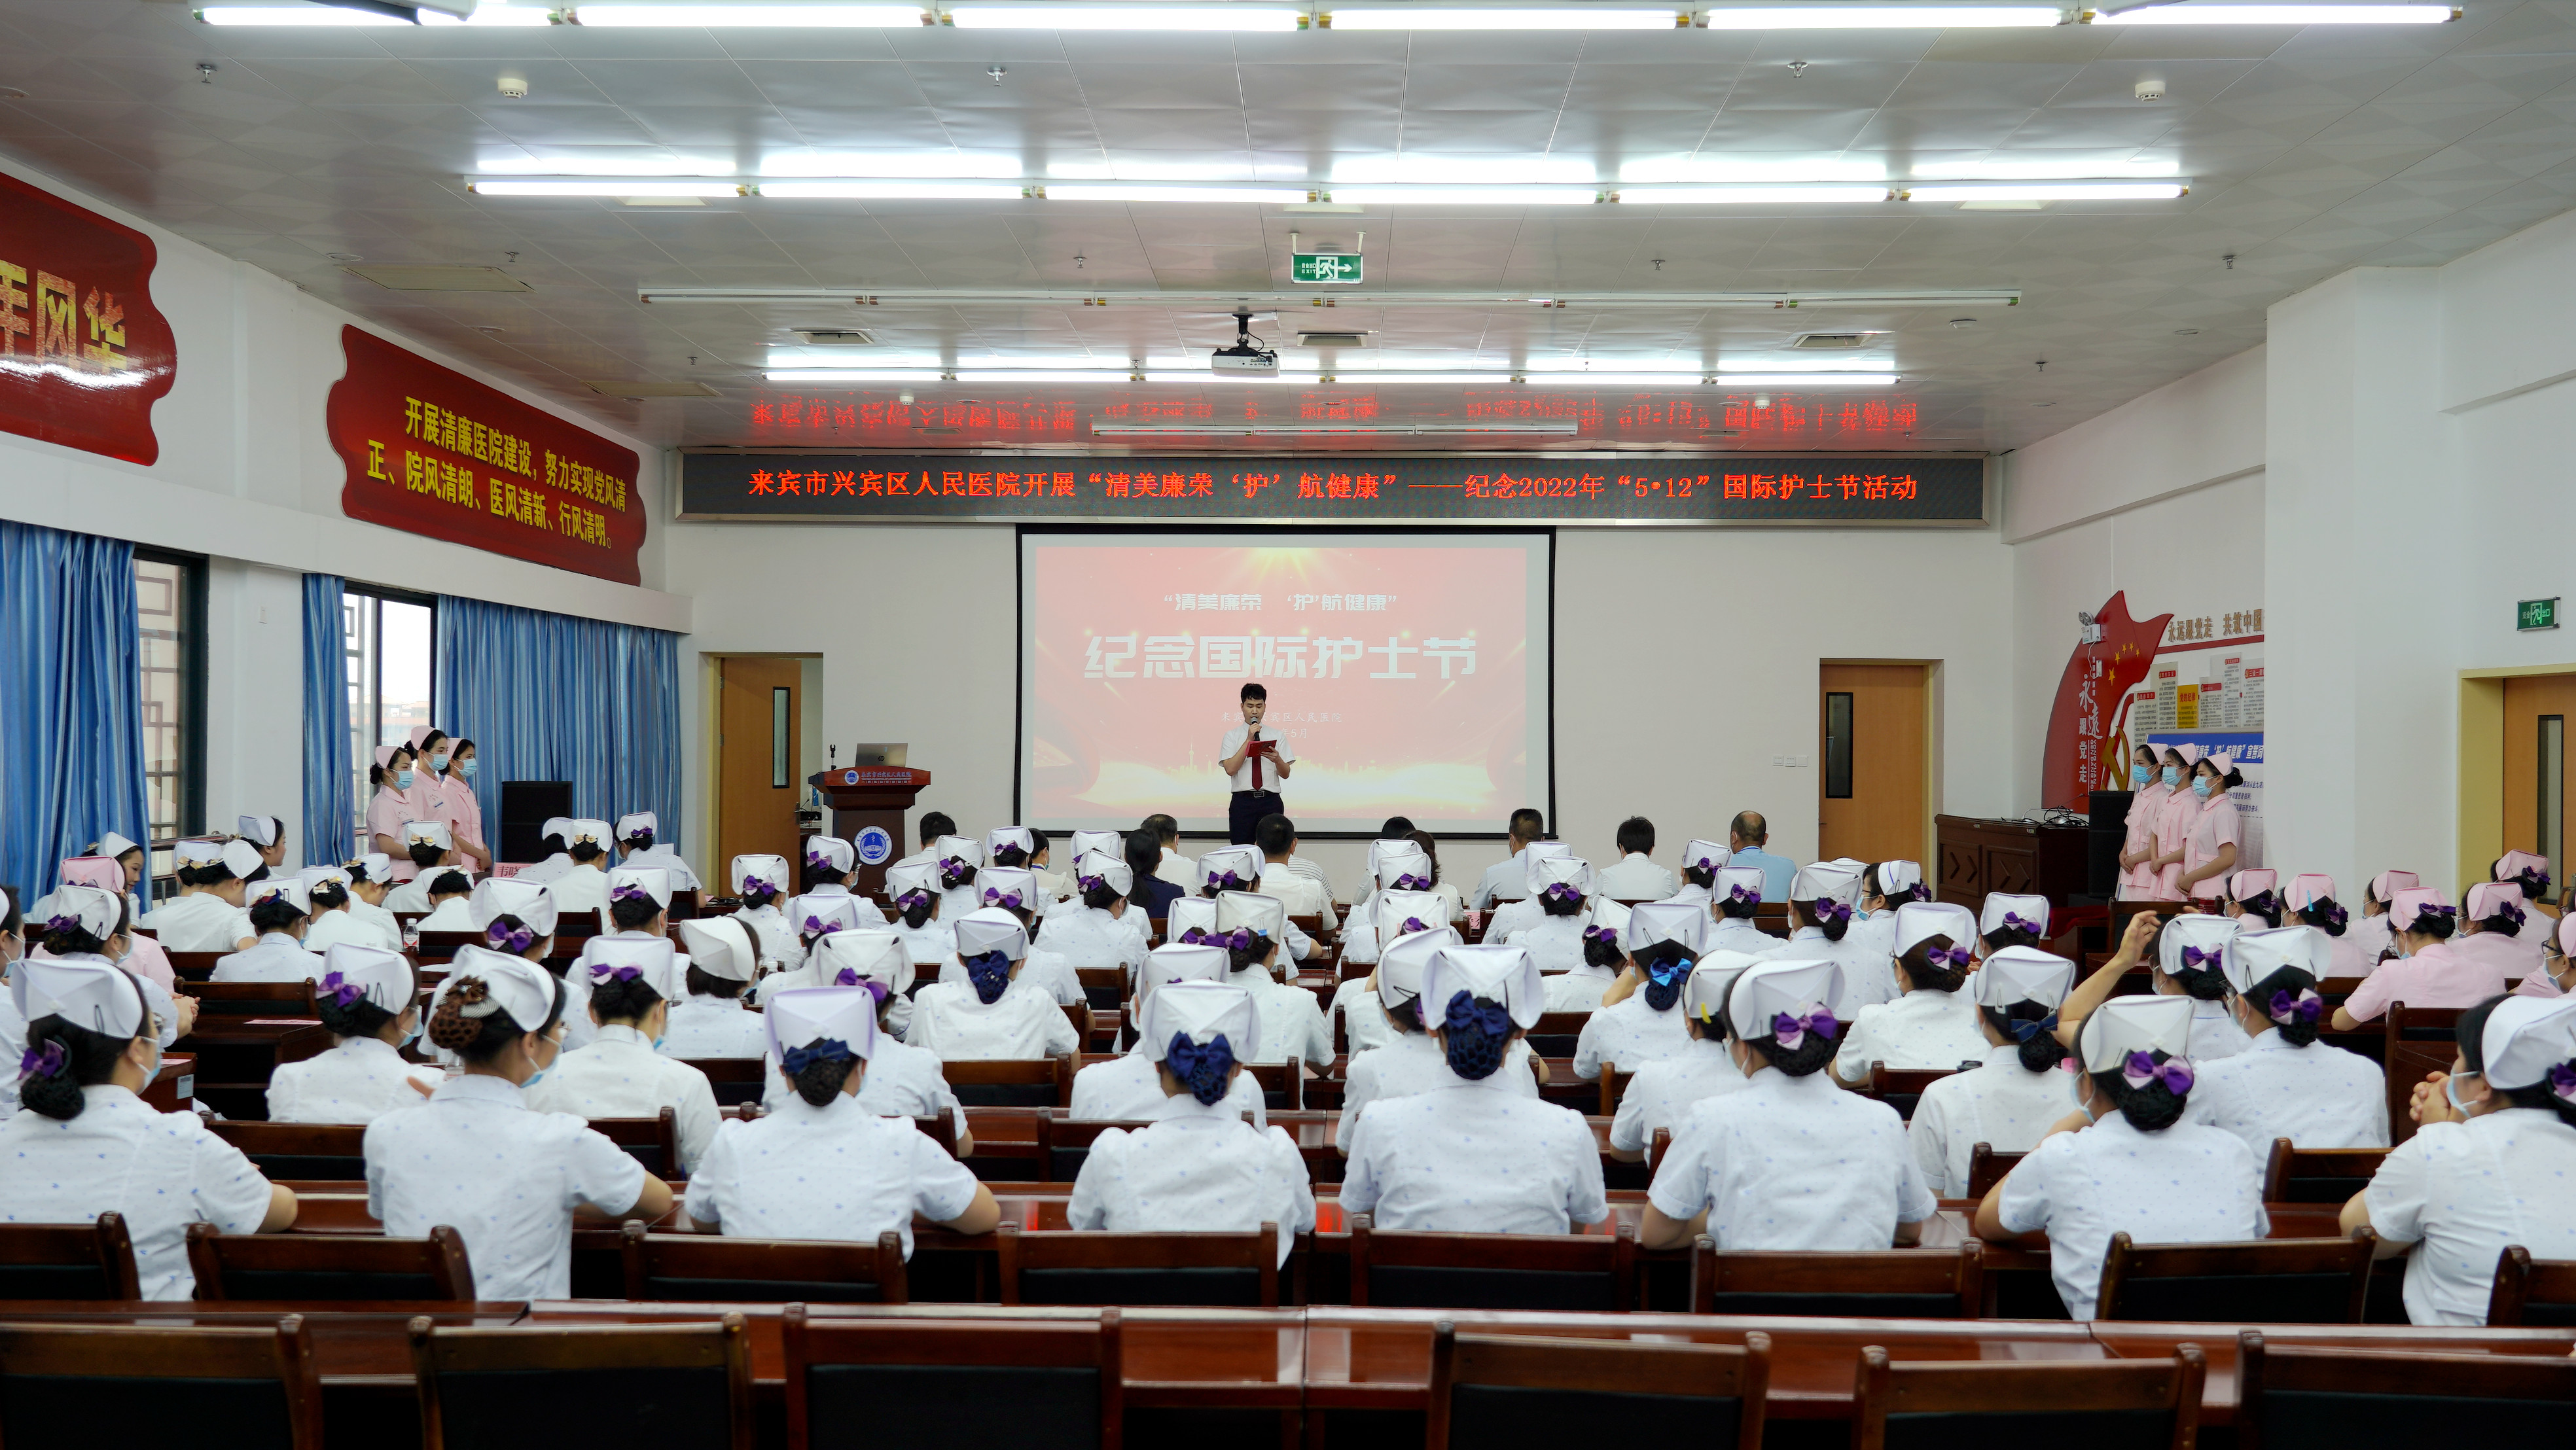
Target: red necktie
point(1255, 750)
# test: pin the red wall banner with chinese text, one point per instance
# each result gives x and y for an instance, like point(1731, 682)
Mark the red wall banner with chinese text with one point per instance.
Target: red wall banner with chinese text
point(431, 451)
point(2081, 750)
point(83, 352)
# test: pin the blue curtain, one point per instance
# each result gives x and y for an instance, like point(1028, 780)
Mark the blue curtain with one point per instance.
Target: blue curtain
point(71, 701)
point(553, 697)
point(330, 804)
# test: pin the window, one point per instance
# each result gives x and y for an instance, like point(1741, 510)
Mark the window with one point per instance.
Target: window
point(169, 602)
point(386, 646)
point(1838, 745)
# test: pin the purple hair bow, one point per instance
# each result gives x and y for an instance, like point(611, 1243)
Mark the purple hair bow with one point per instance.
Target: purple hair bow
point(44, 1061)
point(2304, 1005)
point(817, 926)
point(1744, 895)
point(2337, 915)
point(2512, 913)
point(817, 858)
point(61, 923)
point(1703, 864)
point(1090, 883)
point(510, 939)
point(2193, 958)
point(2444, 912)
point(1919, 891)
point(1410, 882)
point(2142, 1069)
point(993, 897)
point(603, 972)
point(1411, 925)
point(340, 989)
point(2562, 1080)
point(1607, 936)
point(1244, 939)
point(1833, 909)
point(1790, 1029)
point(849, 977)
point(2016, 922)
point(628, 891)
point(2535, 882)
point(910, 899)
point(1562, 891)
point(1195, 936)
point(1947, 956)
point(1226, 882)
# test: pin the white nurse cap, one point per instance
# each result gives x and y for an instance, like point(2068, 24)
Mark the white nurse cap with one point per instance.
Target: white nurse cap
point(1401, 963)
point(1014, 888)
point(2195, 943)
point(637, 823)
point(1189, 914)
point(1166, 965)
point(2529, 1041)
point(1651, 923)
point(1202, 1012)
point(769, 871)
point(431, 833)
point(515, 987)
point(830, 852)
point(720, 947)
point(1565, 869)
point(1006, 837)
point(1740, 883)
point(2125, 1025)
point(262, 829)
point(2004, 912)
point(290, 889)
point(1918, 920)
point(2023, 974)
point(653, 883)
point(1505, 975)
point(991, 930)
point(653, 961)
point(1405, 870)
point(97, 995)
point(802, 1020)
point(1099, 868)
point(1825, 881)
point(2255, 955)
point(1704, 856)
point(853, 958)
point(1775, 990)
point(1704, 992)
point(1109, 841)
point(351, 971)
point(1234, 868)
point(529, 901)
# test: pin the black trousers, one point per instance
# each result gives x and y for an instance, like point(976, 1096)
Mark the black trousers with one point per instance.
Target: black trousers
point(1246, 811)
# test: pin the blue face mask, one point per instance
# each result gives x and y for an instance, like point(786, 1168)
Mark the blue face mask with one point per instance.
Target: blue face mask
point(2142, 776)
point(2200, 786)
point(465, 768)
point(402, 780)
point(2451, 1090)
point(2173, 775)
point(437, 763)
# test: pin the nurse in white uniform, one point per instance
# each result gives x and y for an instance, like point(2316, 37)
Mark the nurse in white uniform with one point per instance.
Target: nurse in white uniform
point(1405, 872)
point(1409, 1060)
point(1820, 914)
point(1701, 861)
point(1391, 915)
point(370, 881)
point(1014, 890)
point(760, 883)
point(369, 999)
point(1238, 868)
point(1094, 931)
point(2490, 1165)
point(1597, 969)
point(1197, 1166)
point(710, 1020)
point(1791, 1162)
point(1127, 1088)
point(915, 892)
point(91, 1049)
point(207, 914)
point(1252, 928)
point(903, 1081)
point(584, 885)
point(2286, 1084)
point(959, 860)
point(2126, 1161)
point(331, 892)
point(816, 917)
point(633, 983)
point(1665, 938)
point(280, 910)
point(635, 847)
point(2191, 961)
point(1473, 1155)
point(2011, 1100)
point(1930, 1027)
point(1884, 888)
point(1564, 900)
point(1738, 896)
point(1660, 1096)
point(477, 1158)
point(984, 1017)
point(821, 1165)
point(1524, 912)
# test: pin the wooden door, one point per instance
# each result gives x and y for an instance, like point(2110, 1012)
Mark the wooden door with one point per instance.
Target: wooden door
point(756, 754)
point(1872, 762)
point(2537, 711)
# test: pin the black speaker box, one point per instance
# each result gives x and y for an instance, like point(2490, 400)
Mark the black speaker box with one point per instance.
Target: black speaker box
point(526, 806)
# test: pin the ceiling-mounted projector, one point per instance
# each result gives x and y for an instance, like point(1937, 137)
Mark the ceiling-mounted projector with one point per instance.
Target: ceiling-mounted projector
point(1247, 358)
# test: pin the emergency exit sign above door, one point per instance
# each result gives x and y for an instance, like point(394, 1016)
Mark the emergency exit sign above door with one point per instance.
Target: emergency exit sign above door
point(2536, 614)
point(1325, 268)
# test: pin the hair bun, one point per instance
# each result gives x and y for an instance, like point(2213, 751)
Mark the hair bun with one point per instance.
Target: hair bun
point(454, 1026)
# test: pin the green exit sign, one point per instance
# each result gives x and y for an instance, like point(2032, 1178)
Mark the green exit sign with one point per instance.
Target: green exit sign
point(1328, 268)
point(2536, 614)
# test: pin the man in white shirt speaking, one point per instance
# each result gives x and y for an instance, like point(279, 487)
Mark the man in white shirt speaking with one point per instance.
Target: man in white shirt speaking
point(1256, 760)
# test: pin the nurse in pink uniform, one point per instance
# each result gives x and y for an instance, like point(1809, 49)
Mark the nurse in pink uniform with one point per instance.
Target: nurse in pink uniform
point(464, 808)
point(2531, 873)
point(2215, 840)
point(2310, 899)
point(2557, 974)
point(397, 800)
point(2173, 821)
point(2146, 778)
point(2491, 932)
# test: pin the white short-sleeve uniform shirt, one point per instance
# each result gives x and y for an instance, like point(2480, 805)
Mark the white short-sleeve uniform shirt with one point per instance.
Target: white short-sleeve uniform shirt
point(1292, 1025)
point(2186, 1184)
point(2460, 1192)
point(1869, 974)
point(199, 922)
point(1629, 1034)
point(2317, 1096)
point(162, 1171)
point(1662, 1093)
point(932, 942)
point(1579, 990)
point(1129, 1089)
point(334, 927)
point(456, 913)
point(1792, 1163)
point(1363, 1015)
point(901, 1082)
point(1042, 971)
point(1088, 936)
point(507, 1178)
point(1511, 918)
point(1475, 1157)
point(712, 1027)
point(949, 1021)
point(1412, 1063)
point(2214, 1033)
point(1195, 1169)
point(2001, 1104)
point(837, 1172)
point(1922, 1031)
point(1734, 934)
point(1554, 942)
point(621, 1076)
point(583, 888)
point(358, 1081)
point(276, 957)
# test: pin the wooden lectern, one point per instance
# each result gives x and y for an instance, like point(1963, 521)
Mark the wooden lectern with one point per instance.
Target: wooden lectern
point(862, 796)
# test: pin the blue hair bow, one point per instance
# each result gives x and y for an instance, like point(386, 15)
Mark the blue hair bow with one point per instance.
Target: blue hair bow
point(829, 1049)
point(1665, 974)
point(1463, 1014)
point(2025, 1031)
point(991, 974)
point(1193, 1063)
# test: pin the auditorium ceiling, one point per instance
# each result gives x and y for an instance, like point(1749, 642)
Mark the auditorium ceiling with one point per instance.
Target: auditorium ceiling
point(323, 155)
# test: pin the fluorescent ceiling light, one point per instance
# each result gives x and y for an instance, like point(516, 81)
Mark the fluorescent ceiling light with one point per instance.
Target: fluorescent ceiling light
point(1426, 17)
point(1434, 170)
point(1272, 430)
point(1297, 301)
point(294, 15)
point(1698, 171)
point(2088, 167)
point(491, 186)
point(1750, 195)
point(492, 15)
point(1882, 17)
point(854, 375)
point(1094, 191)
point(1810, 365)
point(932, 165)
point(2049, 191)
point(1808, 380)
point(864, 17)
point(1465, 195)
point(2279, 15)
point(848, 189)
point(1166, 18)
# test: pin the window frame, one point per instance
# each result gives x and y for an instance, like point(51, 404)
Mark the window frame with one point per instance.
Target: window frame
point(373, 690)
point(193, 571)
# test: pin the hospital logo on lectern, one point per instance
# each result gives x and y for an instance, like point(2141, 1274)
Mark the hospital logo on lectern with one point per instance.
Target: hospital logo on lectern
point(874, 846)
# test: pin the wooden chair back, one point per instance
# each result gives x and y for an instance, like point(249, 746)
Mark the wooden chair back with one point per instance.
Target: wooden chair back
point(1772, 917)
point(300, 1150)
point(735, 1080)
point(192, 966)
point(1103, 986)
point(253, 999)
point(1237, 1270)
point(2296, 1398)
point(1283, 1085)
point(2415, 1041)
point(1037, 1082)
point(440, 946)
point(685, 1384)
point(1492, 1271)
point(911, 1381)
point(684, 905)
point(1896, 1284)
point(1986, 1168)
point(259, 1384)
point(1557, 1033)
point(578, 925)
point(1614, 1088)
point(1902, 1088)
point(2269, 1281)
point(1492, 1389)
point(274, 1267)
point(68, 1260)
point(703, 1267)
point(2317, 1175)
point(653, 1142)
point(2532, 1291)
point(1993, 1402)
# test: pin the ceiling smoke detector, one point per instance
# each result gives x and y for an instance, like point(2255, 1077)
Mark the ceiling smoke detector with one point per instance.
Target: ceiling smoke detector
point(835, 336)
point(2151, 90)
point(1831, 341)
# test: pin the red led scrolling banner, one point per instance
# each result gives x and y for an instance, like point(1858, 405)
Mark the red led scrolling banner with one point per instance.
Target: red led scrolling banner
point(83, 352)
point(431, 451)
point(1726, 488)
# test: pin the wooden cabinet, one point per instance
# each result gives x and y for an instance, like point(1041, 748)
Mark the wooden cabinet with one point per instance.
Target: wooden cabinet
point(2020, 857)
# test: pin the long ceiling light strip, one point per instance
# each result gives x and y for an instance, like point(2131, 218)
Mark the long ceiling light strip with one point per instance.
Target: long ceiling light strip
point(2192, 14)
point(1565, 429)
point(1166, 373)
point(1427, 17)
point(1171, 18)
point(828, 188)
point(1298, 302)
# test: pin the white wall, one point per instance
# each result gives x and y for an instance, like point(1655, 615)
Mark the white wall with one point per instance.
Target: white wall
point(1670, 700)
